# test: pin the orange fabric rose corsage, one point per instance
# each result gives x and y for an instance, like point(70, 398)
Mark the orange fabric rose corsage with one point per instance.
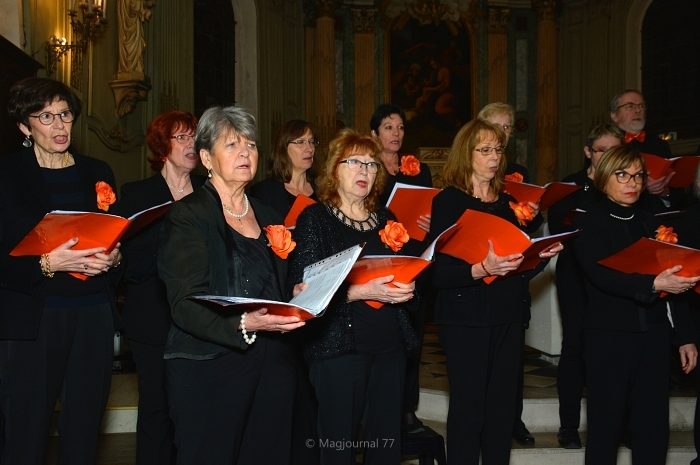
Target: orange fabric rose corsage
point(666, 234)
point(394, 235)
point(514, 177)
point(280, 240)
point(105, 195)
point(410, 165)
point(523, 212)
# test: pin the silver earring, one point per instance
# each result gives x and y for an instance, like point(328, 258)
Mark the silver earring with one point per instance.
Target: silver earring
point(209, 173)
point(27, 142)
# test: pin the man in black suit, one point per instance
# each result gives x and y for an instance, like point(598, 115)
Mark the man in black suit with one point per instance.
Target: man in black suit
point(629, 112)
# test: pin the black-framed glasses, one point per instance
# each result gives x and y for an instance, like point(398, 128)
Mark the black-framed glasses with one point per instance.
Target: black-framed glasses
point(356, 165)
point(47, 118)
point(489, 150)
point(632, 106)
point(623, 177)
point(183, 138)
point(310, 142)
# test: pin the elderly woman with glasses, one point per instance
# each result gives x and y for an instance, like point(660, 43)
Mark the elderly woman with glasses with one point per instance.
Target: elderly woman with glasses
point(292, 167)
point(627, 319)
point(146, 313)
point(56, 331)
point(480, 324)
point(230, 376)
point(356, 353)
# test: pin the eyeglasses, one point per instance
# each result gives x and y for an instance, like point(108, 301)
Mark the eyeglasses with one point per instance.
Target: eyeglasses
point(599, 150)
point(356, 165)
point(506, 127)
point(183, 138)
point(46, 118)
point(623, 177)
point(489, 150)
point(310, 142)
point(632, 106)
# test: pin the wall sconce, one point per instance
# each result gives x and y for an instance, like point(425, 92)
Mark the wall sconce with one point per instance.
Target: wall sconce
point(86, 19)
point(55, 49)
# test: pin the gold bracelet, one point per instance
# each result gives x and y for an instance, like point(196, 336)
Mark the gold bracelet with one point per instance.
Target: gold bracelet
point(45, 265)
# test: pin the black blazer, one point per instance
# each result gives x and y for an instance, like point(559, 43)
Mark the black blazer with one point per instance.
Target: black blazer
point(24, 200)
point(196, 256)
point(146, 313)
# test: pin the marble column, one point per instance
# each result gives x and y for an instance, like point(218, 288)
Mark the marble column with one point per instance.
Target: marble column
point(324, 121)
point(498, 54)
point(363, 20)
point(546, 118)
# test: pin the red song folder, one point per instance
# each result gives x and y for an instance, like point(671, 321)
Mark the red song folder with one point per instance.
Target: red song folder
point(405, 268)
point(408, 202)
point(546, 195)
point(300, 203)
point(649, 256)
point(686, 168)
point(470, 242)
point(92, 230)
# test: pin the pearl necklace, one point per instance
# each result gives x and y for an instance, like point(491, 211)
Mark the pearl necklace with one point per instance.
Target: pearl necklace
point(622, 217)
point(238, 216)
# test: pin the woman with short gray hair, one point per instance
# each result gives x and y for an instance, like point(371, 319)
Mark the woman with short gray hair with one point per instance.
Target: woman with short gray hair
point(230, 376)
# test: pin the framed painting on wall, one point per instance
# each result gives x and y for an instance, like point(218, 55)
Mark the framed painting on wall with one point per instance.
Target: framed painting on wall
point(430, 78)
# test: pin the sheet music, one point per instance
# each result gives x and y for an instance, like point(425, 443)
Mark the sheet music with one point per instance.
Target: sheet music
point(323, 279)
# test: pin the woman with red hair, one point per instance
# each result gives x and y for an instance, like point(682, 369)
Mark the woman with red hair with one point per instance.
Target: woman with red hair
point(146, 313)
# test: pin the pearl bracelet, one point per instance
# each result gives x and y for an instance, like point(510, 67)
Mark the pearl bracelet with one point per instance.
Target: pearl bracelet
point(248, 339)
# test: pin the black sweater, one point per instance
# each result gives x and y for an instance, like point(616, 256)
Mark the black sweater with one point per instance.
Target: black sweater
point(619, 301)
point(319, 234)
point(461, 299)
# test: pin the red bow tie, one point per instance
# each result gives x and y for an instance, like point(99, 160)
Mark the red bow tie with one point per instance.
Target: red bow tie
point(640, 136)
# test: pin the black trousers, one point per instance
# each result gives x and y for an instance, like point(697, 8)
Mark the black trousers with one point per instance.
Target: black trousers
point(359, 388)
point(234, 409)
point(70, 360)
point(154, 429)
point(571, 297)
point(628, 384)
point(482, 367)
point(417, 312)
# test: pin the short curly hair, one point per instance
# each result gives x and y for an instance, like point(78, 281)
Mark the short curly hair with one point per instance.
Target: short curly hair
point(346, 143)
point(34, 93)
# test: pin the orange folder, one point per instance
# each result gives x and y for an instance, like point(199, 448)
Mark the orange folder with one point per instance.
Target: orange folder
point(300, 203)
point(92, 229)
point(470, 242)
point(546, 195)
point(685, 167)
point(408, 202)
point(649, 256)
point(405, 268)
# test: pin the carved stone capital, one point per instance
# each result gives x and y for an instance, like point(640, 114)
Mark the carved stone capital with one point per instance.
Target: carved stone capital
point(128, 89)
point(546, 9)
point(498, 19)
point(363, 20)
point(325, 8)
